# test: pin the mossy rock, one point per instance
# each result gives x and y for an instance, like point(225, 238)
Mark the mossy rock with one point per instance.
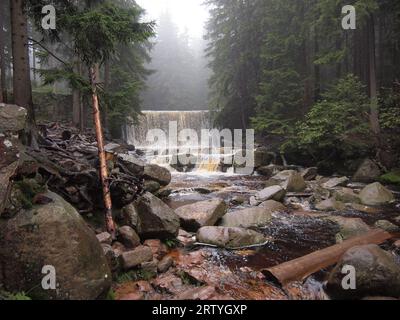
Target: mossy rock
point(392, 177)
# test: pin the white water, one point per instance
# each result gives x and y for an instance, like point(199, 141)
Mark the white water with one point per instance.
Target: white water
point(207, 160)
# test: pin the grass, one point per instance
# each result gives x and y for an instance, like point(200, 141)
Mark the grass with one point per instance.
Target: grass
point(135, 275)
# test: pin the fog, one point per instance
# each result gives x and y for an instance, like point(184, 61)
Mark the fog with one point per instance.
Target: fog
point(187, 14)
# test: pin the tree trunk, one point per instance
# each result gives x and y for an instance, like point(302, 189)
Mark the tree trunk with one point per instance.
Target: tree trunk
point(76, 101)
point(110, 226)
point(373, 92)
point(3, 80)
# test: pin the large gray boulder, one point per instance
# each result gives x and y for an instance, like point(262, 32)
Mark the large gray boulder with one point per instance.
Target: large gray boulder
point(376, 194)
point(201, 214)
point(247, 218)
point(52, 235)
point(230, 238)
point(132, 163)
point(330, 205)
point(271, 193)
point(346, 195)
point(156, 173)
point(12, 117)
point(152, 218)
point(349, 227)
point(294, 183)
point(367, 172)
point(336, 182)
point(376, 272)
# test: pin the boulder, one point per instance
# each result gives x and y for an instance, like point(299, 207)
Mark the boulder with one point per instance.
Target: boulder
point(387, 226)
point(367, 172)
point(275, 193)
point(156, 173)
point(201, 214)
point(330, 205)
point(229, 238)
point(154, 218)
point(152, 186)
point(111, 256)
point(158, 248)
point(284, 175)
point(128, 237)
point(336, 182)
point(247, 218)
point(376, 194)
point(309, 174)
point(265, 171)
point(132, 163)
point(136, 257)
point(166, 263)
point(346, 195)
point(392, 177)
point(273, 206)
point(377, 274)
point(52, 235)
point(294, 183)
point(12, 117)
point(104, 238)
point(130, 216)
point(349, 227)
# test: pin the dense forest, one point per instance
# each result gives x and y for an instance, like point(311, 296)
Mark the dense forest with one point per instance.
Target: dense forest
point(316, 92)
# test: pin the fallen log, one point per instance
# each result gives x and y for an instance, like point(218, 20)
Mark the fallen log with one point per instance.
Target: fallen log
point(301, 268)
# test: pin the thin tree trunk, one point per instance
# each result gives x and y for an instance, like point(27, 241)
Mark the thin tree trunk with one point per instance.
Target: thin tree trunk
point(76, 101)
point(3, 80)
point(22, 87)
point(110, 225)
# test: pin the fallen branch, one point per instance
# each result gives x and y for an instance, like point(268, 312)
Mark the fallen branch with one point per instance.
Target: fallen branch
point(301, 268)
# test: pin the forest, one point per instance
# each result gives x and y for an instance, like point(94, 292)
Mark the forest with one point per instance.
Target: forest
point(91, 210)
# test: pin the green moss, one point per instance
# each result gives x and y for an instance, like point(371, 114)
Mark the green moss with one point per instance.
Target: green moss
point(4, 295)
point(136, 275)
point(28, 188)
point(171, 243)
point(110, 295)
point(392, 177)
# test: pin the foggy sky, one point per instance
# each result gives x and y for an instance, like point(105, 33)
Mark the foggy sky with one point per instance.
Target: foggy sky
point(190, 14)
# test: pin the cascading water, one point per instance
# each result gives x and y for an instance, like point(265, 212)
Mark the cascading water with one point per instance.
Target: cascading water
point(197, 121)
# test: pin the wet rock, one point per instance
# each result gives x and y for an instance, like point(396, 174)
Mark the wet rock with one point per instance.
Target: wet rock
point(229, 238)
point(253, 217)
point(118, 248)
point(12, 117)
point(349, 227)
point(104, 238)
point(158, 248)
point(392, 177)
point(336, 182)
point(185, 238)
point(151, 186)
point(284, 175)
point(136, 257)
point(201, 214)
point(387, 226)
point(164, 265)
point(330, 205)
point(377, 274)
point(238, 200)
point(132, 163)
point(294, 183)
point(130, 216)
point(346, 195)
point(168, 283)
point(111, 256)
point(397, 244)
point(271, 193)
point(155, 218)
point(376, 194)
point(309, 174)
point(365, 209)
point(150, 266)
point(128, 237)
point(254, 202)
point(132, 297)
point(52, 234)
point(273, 206)
point(156, 173)
point(265, 171)
point(367, 172)
point(201, 294)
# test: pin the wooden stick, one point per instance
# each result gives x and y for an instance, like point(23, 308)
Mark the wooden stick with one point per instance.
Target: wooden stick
point(110, 225)
point(301, 268)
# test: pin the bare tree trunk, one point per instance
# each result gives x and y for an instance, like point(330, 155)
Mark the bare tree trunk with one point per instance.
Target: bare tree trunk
point(3, 81)
point(76, 101)
point(110, 225)
point(373, 91)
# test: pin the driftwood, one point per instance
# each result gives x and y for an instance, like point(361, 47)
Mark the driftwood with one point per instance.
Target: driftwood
point(68, 162)
point(301, 268)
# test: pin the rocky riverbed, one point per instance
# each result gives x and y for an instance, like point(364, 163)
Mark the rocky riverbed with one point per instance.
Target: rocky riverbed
point(184, 236)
